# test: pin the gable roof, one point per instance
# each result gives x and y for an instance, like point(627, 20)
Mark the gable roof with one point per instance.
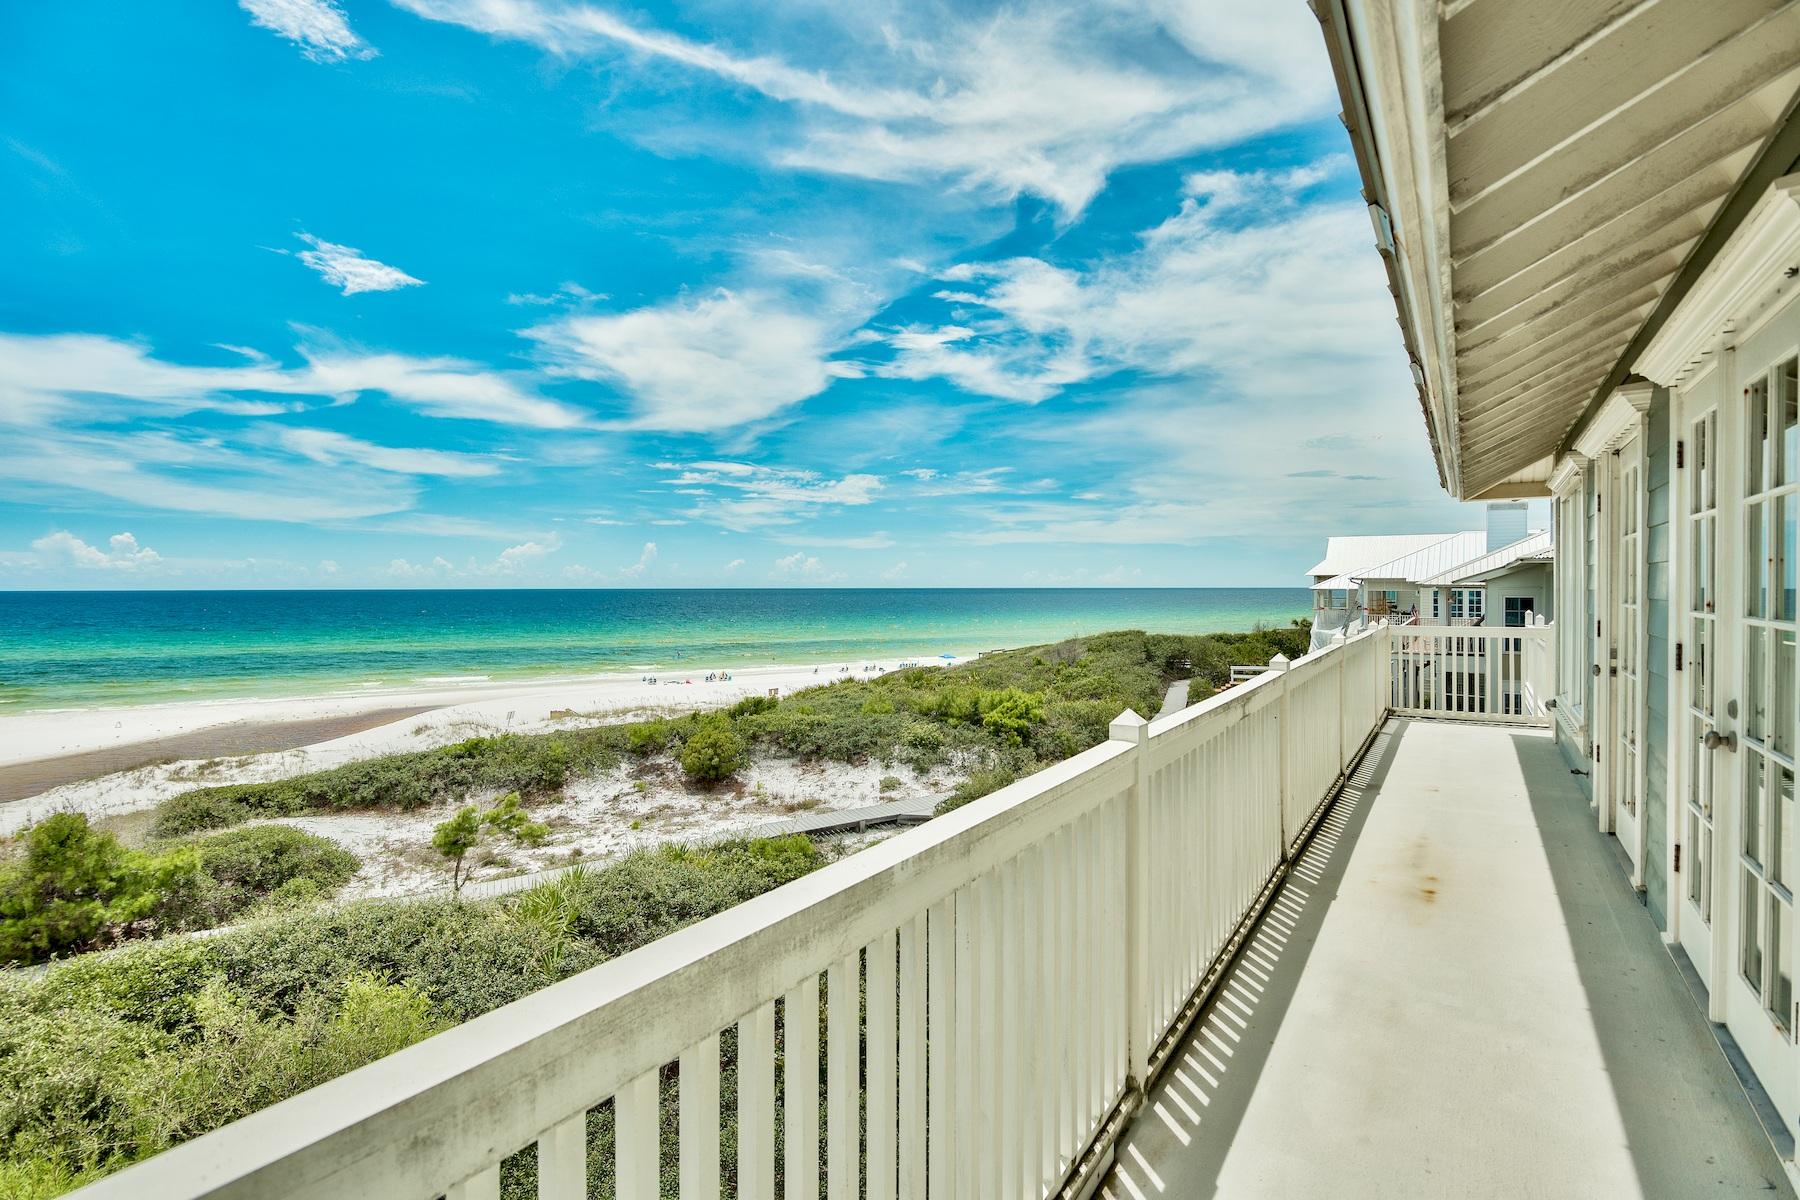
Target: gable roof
point(1344, 555)
point(1534, 548)
point(1430, 560)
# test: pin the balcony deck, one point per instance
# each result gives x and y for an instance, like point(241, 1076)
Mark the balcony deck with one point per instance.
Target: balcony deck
point(1456, 993)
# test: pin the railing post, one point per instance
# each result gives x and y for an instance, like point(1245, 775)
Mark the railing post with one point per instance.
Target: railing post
point(1131, 728)
point(1279, 665)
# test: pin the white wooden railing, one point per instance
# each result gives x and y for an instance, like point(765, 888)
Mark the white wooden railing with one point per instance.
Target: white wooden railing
point(968, 1009)
point(1479, 672)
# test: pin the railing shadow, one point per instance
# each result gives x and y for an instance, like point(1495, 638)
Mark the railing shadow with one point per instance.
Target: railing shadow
point(1688, 1125)
point(1179, 1143)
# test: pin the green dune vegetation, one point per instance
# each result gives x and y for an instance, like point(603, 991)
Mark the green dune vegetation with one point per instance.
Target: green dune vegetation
point(1002, 715)
point(107, 1058)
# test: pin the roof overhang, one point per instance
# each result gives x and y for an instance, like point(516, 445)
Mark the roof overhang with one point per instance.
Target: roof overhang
point(1547, 178)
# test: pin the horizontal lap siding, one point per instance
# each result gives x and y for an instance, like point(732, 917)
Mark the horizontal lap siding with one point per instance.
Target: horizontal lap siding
point(1656, 729)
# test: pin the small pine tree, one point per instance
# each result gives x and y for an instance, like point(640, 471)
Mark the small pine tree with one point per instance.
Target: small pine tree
point(463, 832)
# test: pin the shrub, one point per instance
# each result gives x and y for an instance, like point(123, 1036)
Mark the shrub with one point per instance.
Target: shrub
point(647, 737)
point(196, 812)
point(240, 868)
point(713, 753)
point(750, 706)
point(978, 784)
point(112, 1058)
point(891, 783)
point(75, 887)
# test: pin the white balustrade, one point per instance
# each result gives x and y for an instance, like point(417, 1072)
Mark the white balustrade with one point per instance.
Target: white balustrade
point(1500, 674)
point(966, 1009)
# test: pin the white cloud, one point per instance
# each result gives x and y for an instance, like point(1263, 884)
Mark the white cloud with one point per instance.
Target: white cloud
point(438, 387)
point(801, 567)
point(733, 565)
point(44, 378)
point(1044, 99)
point(1241, 277)
point(153, 469)
point(698, 364)
point(897, 571)
point(328, 446)
point(318, 27)
point(867, 541)
point(345, 267)
point(122, 553)
point(512, 559)
point(743, 496)
point(638, 569)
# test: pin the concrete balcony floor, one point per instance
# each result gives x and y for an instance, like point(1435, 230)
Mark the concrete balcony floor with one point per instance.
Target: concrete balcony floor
point(1457, 993)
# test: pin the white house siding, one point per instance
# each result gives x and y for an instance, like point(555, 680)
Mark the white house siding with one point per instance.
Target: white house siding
point(1529, 579)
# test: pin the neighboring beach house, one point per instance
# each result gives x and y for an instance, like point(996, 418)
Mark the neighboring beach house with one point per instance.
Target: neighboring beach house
point(1497, 575)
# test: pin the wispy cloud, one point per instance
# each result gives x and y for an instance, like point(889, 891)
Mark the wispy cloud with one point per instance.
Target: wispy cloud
point(50, 377)
point(1240, 274)
point(346, 268)
point(917, 94)
point(318, 27)
point(328, 446)
point(743, 496)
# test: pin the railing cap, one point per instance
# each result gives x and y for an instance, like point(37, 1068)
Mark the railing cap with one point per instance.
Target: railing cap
point(1128, 727)
point(1280, 662)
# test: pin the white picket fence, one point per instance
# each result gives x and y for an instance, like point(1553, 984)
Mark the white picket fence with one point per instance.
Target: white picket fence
point(1489, 674)
point(986, 992)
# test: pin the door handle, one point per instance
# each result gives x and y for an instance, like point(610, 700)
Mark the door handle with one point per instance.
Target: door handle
point(1715, 740)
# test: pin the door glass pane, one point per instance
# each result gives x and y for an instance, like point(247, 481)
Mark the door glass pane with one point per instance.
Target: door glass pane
point(1750, 944)
point(1787, 410)
point(1756, 427)
point(1786, 559)
point(1781, 725)
point(1781, 828)
point(1753, 800)
point(1756, 562)
point(1703, 565)
point(1693, 866)
point(1701, 499)
point(1706, 862)
point(1781, 995)
point(1756, 674)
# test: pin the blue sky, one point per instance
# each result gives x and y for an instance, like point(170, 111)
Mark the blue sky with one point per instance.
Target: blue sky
point(533, 293)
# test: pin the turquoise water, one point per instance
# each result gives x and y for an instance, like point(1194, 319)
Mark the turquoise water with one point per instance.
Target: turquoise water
point(79, 649)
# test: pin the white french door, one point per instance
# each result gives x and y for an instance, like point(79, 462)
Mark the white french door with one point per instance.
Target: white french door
point(1696, 595)
point(1624, 650)
point(1760, 1004)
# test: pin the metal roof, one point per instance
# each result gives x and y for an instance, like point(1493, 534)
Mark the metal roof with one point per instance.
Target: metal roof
point(1346, 554)
point(1546, 177)
point(1439, 556)
point(1537, 546)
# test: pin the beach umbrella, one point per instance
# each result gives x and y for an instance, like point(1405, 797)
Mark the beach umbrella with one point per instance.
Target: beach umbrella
point(946, 656)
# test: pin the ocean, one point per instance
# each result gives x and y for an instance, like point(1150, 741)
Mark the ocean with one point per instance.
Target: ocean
point(84, 649)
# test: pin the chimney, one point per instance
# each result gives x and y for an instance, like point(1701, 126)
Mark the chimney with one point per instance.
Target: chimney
point(1506, 523)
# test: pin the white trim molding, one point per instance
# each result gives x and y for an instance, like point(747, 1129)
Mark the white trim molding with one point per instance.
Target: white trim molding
point(1567, 475)
point(1744, 281)
point(1618, 419)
